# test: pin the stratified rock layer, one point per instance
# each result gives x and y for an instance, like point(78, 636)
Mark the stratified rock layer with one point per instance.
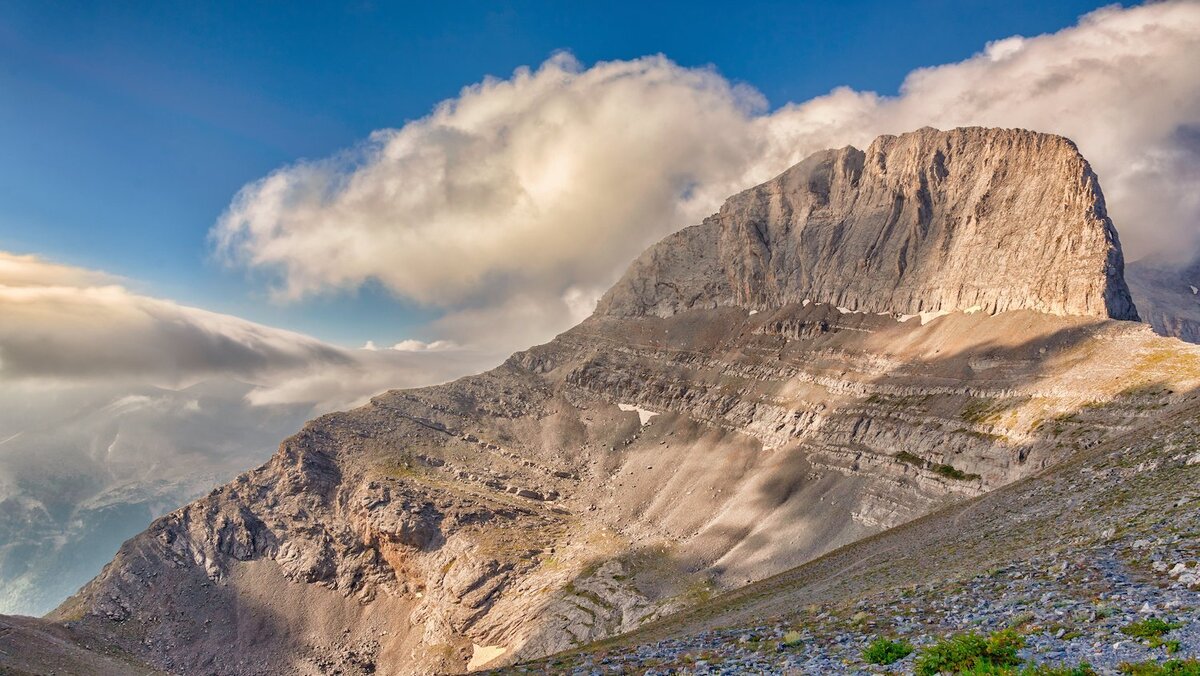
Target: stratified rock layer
point(991, 219)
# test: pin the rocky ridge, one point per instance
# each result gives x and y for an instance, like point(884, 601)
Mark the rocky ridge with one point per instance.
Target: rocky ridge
point(726, 414)
point(990, 219)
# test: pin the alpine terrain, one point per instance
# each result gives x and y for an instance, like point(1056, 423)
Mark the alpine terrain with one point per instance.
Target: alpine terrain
point(902, 366)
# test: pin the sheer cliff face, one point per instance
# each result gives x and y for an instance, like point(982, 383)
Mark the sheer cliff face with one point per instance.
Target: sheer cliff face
point(706, 427)
point(987, 219)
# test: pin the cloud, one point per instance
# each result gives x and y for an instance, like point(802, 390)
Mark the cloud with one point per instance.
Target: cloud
point(65, 326)
point(421, 346)
point(29, 270)
point(531, 186)
point(515, 204)
point(413, 345)
point(60, 325)
point(372, 372)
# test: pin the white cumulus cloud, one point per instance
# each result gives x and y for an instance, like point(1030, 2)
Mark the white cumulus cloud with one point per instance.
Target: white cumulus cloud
point(515, 204)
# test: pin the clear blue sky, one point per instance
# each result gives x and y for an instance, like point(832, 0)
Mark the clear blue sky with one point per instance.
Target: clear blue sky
point(125, 130)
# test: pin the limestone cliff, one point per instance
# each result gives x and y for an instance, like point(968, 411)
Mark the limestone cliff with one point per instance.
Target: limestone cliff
point(994, 219)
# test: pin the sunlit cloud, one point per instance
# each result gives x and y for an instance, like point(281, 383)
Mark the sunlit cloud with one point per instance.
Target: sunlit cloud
point(65, 326)
point(515, 204)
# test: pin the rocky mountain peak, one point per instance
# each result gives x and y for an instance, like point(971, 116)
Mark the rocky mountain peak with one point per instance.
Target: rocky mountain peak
point(971, 218)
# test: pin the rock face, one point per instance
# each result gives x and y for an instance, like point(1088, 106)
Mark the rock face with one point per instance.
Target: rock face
point(1169, 297)
point(706, 427)
point(994, 219)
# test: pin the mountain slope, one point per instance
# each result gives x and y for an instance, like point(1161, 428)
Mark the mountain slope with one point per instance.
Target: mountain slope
point(1068, 557)
point(757, 391)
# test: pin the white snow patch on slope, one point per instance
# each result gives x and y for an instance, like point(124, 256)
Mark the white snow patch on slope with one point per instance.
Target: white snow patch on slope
point(643, 414)
point(482, 654)
point(926, 317)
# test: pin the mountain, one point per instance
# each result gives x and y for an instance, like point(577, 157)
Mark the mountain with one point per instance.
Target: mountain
point(866, 339)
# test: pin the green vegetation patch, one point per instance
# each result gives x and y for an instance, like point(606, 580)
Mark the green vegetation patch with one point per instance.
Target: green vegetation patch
point(951, 472)
point(979, 411)
point(885, 651)
point(972, 653)
point(948, 471)
point(1084, 669)
point(1152, 627)
point(1170, 668)
point(1151, 631)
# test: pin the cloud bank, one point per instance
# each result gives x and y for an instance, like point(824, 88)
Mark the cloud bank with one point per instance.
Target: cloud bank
point(65, 327)
point(514, 205)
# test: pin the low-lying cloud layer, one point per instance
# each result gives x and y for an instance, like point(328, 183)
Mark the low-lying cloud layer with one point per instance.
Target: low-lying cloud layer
point(516, 204)
point(65, 326)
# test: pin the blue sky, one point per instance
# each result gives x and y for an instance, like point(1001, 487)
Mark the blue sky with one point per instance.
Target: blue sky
point(127, 130)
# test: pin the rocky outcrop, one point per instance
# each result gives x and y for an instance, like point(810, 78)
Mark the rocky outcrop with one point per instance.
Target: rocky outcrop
point(994, 219)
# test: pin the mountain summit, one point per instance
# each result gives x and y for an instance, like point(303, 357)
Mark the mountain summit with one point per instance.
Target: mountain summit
point(967, 219)
point(756, 392)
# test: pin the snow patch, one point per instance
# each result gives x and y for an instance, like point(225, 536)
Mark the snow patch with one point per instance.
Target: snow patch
point(643, 414)
point(753, 312)
point(926, 317)
point(1194, 289)
point(482, 654)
